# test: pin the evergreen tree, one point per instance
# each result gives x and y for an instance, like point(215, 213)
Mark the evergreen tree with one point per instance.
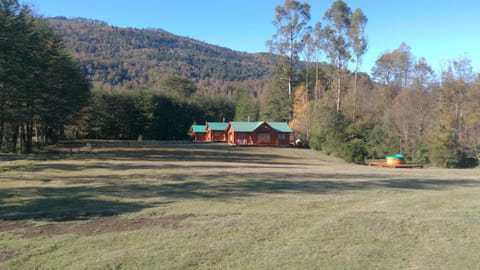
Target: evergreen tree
point(178, 86)
point(41, 88)
point(358, 39)
point(277, 107)
point(291, 23)
point(337, 45)
point(246, 109)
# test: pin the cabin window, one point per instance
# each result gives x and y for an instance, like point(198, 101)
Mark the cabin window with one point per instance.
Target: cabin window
point(242, 139)
point(263, 137)
point(282, 136)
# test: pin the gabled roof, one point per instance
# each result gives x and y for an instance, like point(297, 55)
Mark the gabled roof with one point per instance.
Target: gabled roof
point(217, 126)
point(199, 128)
point(252, 126)
point(280, 127)
point(245, 126)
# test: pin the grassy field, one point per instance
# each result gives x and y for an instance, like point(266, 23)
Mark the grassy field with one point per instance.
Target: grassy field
point(151, 206)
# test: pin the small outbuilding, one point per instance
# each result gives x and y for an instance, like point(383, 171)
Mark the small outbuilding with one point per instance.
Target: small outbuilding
point(199, 133)
point(216, 131)
point(258, 133)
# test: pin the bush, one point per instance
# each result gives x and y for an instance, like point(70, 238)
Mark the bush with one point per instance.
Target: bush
point(379, 144)
point(445, 149)
point(354, 151)
point(328, 135)
point(421, 154)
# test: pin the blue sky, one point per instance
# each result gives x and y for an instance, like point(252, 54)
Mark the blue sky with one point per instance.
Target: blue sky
point(437, 30)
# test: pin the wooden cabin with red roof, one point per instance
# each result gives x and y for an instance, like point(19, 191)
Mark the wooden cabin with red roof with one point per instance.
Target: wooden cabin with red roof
point(216, 131)
point(258, 133)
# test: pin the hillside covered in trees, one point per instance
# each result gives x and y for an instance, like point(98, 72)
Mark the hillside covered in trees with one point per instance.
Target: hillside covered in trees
point(129, 58)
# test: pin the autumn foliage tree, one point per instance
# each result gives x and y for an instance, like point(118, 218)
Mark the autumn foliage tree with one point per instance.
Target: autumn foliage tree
point(301, 122)
point(449, 139)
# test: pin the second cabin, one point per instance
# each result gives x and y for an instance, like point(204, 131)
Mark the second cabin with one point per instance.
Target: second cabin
point(216, 131)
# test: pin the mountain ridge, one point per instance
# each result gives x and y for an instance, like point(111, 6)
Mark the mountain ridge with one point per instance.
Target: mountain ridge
point(131, 58)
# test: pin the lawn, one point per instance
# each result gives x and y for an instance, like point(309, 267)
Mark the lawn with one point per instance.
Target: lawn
point(201, 206)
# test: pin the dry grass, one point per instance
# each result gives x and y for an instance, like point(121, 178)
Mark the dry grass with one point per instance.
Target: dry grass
point(150, 206)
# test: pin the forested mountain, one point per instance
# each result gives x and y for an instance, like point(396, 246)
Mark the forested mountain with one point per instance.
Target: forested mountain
point(131, 58)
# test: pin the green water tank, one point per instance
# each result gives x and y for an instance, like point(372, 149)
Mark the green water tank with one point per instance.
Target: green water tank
point(395, 159)
point(399, 156)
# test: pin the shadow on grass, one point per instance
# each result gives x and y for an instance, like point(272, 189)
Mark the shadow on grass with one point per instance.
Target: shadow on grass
point(162, 155)
point(225, 154)
point(62, 204)
point(74, 203)
point(208, 153)
point(321, 186)
point(119, 195)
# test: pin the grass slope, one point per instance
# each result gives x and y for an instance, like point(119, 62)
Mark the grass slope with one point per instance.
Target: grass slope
point(151, 206)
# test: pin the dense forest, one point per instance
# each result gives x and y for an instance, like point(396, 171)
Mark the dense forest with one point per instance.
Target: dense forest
point(404, 107)
point(42, 90)
point(128, 58)
point(77, 78)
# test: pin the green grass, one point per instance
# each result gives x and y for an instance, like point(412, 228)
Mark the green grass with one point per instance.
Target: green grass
point(151, 206)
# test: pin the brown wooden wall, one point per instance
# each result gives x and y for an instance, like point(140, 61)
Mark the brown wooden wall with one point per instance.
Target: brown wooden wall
point(200, 137)
point(270, 138)
point(216, 136)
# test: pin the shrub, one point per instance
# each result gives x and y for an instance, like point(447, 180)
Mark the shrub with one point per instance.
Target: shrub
point(354, 151)
point(421, 154)
point(379, 144)
point(445, 149)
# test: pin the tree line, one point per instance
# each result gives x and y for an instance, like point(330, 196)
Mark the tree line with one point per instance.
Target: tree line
point(45, 97)
point(403, 108)
point(41, 88)
point(153, 114)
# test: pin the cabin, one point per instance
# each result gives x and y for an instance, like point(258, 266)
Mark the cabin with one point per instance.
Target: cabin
point(283, 132)
point(199, 133)
point(216, 131)
point(258, 133)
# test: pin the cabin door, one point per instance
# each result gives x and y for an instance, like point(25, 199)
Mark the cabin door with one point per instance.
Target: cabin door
point(264, 138)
